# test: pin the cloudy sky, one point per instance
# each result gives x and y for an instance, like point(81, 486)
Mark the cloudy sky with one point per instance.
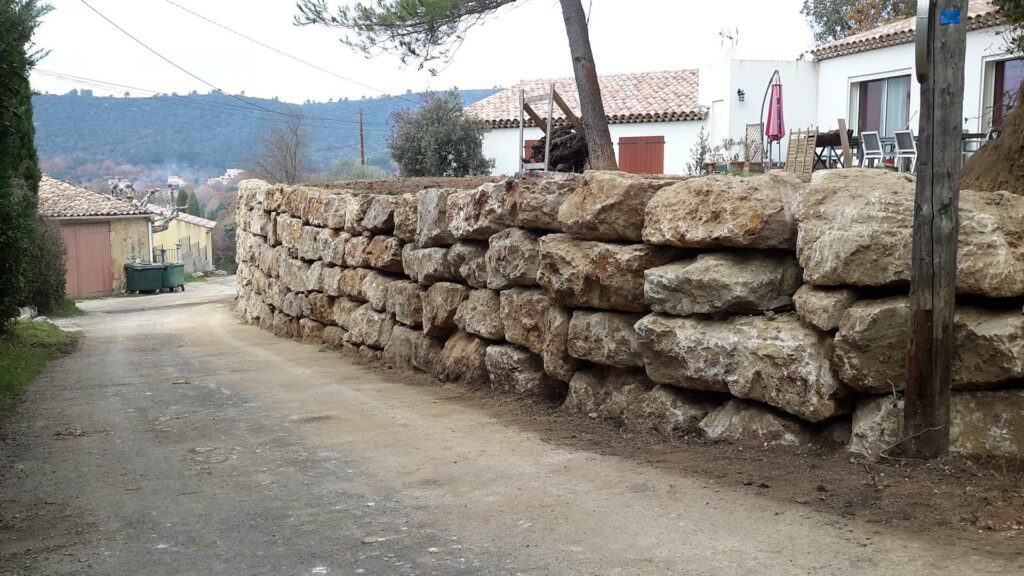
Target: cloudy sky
point(526, 40)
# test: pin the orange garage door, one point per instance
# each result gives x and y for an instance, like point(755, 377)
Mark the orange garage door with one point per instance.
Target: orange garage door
point(88, 259)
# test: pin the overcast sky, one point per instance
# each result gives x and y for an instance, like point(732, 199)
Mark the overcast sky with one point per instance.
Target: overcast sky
point(525, 41)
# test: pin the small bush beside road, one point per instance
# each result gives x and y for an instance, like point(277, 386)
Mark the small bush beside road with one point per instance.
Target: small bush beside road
point(23, 352)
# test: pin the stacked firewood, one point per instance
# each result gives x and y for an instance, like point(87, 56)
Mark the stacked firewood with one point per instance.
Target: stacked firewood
point(568, 150)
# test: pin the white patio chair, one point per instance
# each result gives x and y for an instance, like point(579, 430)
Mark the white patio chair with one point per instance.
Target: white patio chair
point(871, 149)
point(906, 149)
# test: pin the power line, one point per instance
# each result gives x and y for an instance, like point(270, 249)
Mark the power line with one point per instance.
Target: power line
point(287, 55)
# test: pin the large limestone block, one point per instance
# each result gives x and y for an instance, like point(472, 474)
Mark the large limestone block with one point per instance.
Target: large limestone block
point(755, 212)
point(597, 274)
point(856, 229)
point(314, 276)
point(312, 331)
point(295, 274)
point(778, 361)
point(253, 192)
point(432, 218)
point(313, 210)
point(273, 198)
point(427, 265)
point(379, 217)
point(405, 216)
point(313, 241)
point(874, 335)
point(330, 280)
point(515, 369)
point(369, 327)
point(605, 338)
point(289, 230)
point(823, 308)
point(609, 206)
point(285, 326)
point(749, 423)
point(480, 314)
point(440, 305)
point(334, 251)
point(321, 307)
point(537, 200)
point(334, 337)
point(606, 392)
point(478, 214)
point(350, 283)
point(384, 253)
point(532, 319)
point(512, 259)
point(296, 305)
point(342, 312)
point(405, 301)
point(463, 359)
point(355, 252)
point(375, 288)
point(717, 282)
point(357, 209)
point(409, 349)
point(668, 410)
point(469, 263)
point(294, 201)
point(335, 209)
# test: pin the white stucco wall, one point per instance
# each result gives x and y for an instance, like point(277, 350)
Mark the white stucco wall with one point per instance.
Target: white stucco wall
point(502, 145)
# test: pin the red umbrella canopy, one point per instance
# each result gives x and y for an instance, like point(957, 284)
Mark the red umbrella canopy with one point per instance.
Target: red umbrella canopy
point(776, 127)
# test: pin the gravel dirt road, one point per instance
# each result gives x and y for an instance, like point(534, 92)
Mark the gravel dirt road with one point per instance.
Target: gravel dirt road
point(177, 441)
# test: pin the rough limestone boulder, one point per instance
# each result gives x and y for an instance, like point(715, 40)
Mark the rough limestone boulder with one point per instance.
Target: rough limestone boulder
point(334, 251)
point(512, 259)
point(984, 423)
point(588, 274)
point(537, 200)
point(295, 274)
point(477, 214)
point(468, 263)
point(750, 423)
point(313, 241)
point(404, 300)
point(375, 288)
point(355, 251)
point(515, 369)
point(409, 349)
point(285, 326)
point(856, 229)
point(480, 314)
point(342, 312)
point(427, 265)
point(294, 201)
point(463, 359)
point(350, 283)
point(532, 319)
point(405, 216)
point(609, 206)
point(357, 209)
point(330, 280)
point(311, 331)
point(605, 392)
point(313, 210)
point(334, 337)
point(335, 209)
point(755, 212)
point(606, 338)
point(823, 308)
point(321, 307)
point(778, 361)
point(723, 282)
point(874, 336)
point(289, 230)
point(379, 218)
point(432, 218)
point(296, 305)
point(384, 253)
point(369, 327)
point(668, 410)
point(440, 304)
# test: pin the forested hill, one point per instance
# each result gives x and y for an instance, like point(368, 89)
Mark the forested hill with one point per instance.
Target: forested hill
point(81, 137)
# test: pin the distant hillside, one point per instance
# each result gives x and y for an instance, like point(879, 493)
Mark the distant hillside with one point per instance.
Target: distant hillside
point(82, 137)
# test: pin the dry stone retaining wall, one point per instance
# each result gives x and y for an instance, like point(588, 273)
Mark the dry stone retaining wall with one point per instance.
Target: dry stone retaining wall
point(751, 309)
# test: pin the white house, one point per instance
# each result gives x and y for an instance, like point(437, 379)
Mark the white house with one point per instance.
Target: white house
point(866, 79)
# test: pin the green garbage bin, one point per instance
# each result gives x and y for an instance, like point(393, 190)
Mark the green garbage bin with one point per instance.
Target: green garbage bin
point(173, 276)
point(143, 277)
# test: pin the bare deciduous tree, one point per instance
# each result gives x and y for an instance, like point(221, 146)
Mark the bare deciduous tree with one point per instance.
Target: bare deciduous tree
point(281, 157)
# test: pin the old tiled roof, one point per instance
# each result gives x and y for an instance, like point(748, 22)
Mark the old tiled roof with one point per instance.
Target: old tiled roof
point(164, 211)
point(628, 98)
point(62, 200)
point(980, 14)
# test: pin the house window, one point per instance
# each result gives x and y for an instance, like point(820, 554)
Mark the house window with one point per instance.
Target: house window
point(1009, 80)
point(528, 155)
point(882, 105)
point(642, 154)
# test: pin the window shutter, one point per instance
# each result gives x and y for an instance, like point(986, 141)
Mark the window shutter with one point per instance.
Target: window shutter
point(642, 154)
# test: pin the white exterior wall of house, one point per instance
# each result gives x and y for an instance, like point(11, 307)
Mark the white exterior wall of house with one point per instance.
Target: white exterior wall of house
point(502, 144)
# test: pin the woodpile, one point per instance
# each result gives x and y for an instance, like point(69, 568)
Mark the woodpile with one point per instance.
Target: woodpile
point(568, 150)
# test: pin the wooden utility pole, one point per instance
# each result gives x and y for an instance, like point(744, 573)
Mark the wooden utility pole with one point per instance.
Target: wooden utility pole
point(941, 29)
point(362, 149)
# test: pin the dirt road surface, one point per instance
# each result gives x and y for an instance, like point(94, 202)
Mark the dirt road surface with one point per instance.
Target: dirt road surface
point(177, 441)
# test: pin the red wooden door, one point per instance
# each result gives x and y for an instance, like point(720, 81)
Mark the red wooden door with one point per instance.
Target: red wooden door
point(87, 259)
point(642, 154)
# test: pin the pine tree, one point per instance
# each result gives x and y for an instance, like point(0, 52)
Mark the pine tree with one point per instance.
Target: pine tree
point(192, 204)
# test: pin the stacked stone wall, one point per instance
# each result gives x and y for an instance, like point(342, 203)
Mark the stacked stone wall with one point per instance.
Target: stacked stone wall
point(754, 309)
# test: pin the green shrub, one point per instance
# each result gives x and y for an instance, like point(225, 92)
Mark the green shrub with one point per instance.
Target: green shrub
point(46, 276)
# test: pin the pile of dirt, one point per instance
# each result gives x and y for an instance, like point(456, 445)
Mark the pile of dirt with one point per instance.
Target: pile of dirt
point(998, 165)
point(397, 186)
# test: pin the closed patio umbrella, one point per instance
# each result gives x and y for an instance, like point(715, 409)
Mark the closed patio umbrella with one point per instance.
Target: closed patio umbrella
point(775, 128)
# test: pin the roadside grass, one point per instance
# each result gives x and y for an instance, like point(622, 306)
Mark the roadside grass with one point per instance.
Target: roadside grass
point(67, 308)
point(23, 352)
point(190, 279)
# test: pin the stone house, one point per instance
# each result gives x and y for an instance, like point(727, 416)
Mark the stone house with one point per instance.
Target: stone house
point(187, 239)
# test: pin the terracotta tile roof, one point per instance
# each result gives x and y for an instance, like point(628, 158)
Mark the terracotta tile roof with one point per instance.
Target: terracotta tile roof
point(628, 98)
point(62, 200)
point(164, 211)
point(980, 14)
